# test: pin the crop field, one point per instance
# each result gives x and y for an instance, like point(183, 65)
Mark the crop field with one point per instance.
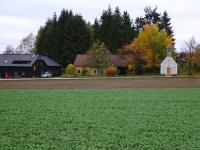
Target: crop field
point(100, 119)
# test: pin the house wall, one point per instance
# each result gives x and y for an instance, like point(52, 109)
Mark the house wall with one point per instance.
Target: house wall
point(39, 67)
point(15, 72)
point(28, 72)
point(164, 70)
point(79, 70)
point(86, 71)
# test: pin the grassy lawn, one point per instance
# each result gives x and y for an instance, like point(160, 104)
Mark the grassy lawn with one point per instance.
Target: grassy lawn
point(100, 119)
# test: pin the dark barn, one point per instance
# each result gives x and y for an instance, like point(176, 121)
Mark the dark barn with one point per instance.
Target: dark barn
point(27, 65)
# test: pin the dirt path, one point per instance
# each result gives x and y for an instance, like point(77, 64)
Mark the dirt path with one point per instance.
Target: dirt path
point(102, 83)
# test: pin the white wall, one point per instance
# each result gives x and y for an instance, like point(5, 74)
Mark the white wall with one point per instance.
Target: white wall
point(168, 62)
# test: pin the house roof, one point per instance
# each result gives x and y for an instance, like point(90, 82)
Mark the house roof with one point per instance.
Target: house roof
point(168, 61)
point(116, 60)
point(8, 60)
point(81, 60)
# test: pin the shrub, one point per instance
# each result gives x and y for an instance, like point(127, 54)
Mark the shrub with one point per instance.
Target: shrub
point(70, 69)
point(139, 68)
point(111, 71)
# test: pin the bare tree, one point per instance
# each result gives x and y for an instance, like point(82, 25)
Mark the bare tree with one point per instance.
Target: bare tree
point(27, 45)
point(9, 50)
point(189, 49)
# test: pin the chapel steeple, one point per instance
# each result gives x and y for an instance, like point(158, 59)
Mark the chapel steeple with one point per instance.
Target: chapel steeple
point(169, 50)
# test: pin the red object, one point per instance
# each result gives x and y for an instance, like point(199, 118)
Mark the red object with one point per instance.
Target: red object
point(7, 75)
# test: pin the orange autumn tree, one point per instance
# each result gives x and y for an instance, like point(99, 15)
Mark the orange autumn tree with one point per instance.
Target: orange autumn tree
point(151, 45)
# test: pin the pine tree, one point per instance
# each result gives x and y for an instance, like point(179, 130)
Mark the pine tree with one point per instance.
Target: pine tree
point(139, 24)
point(151, 16)
point(166, 23)
point(117, 33)
point(128, 29)
point(76, 39)
point(106, 28)
point(114, 29)
point(46, 39)
point(63, 38)
point(95, 27)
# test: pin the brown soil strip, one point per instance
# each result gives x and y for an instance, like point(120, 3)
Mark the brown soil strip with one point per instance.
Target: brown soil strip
point(101, 83)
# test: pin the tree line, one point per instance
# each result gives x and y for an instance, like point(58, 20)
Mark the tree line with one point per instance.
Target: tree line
point(144, 39)
point(64, 36)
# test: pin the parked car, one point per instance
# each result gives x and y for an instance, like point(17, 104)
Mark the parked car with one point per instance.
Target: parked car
point(46, 75)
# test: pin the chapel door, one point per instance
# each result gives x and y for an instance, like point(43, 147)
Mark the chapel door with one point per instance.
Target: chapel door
point(168, 71)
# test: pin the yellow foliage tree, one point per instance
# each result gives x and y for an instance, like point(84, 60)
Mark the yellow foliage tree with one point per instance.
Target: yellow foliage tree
point(151, 44)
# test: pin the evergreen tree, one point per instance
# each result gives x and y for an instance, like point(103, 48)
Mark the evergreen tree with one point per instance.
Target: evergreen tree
point(153, 17)
point(128, 30)
point(106, 28)
point(139, 24)
point(114, 29)
point(43, 43)
point(95, 27)
point(63, 38)
point(117, 33)
point(76, 39)
point(46, 39)
point(166, 23)
point(90, 28)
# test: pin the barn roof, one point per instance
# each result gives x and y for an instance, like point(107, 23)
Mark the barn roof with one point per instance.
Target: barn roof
point(24, 60)
point(81, 60)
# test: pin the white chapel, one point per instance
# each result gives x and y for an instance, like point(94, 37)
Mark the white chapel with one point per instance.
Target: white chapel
point(168, 66)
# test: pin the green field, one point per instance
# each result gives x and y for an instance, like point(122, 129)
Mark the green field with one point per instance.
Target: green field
point(100, 119)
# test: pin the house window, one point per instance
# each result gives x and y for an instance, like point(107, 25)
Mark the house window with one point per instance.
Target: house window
point(79, 71)
point(85, 72)
point(95, 71)
point(21, 62)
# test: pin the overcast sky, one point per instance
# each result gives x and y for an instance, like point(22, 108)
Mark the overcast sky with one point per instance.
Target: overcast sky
point(18, 18)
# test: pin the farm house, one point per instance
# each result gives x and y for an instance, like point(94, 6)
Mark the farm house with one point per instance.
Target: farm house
point(27, 65)
point(168, 66)
point(82, 68)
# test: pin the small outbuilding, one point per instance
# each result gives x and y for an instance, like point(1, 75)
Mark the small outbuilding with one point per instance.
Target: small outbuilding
point(169, 66)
